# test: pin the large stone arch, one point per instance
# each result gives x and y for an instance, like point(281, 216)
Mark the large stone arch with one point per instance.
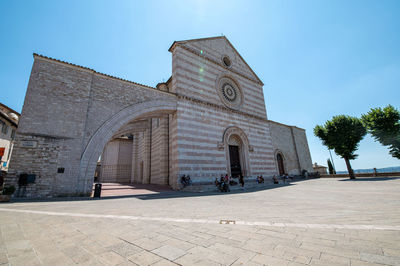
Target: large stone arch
point(105, 132)
point(244, 148)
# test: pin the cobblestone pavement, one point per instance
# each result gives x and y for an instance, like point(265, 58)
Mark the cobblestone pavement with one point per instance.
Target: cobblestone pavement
point(313, 222)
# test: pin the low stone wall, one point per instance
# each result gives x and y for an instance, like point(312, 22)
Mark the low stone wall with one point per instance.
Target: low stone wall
point(363, 175)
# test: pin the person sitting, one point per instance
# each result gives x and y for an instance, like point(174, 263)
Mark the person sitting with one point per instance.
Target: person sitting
point(275, 180)
point(218, 184)
point(261, 179)
point(285, 177)
point(226, 183)
point(185, 180)
point(188, 180)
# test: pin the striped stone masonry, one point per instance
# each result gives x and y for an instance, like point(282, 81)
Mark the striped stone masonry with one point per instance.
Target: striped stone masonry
point(208, 119)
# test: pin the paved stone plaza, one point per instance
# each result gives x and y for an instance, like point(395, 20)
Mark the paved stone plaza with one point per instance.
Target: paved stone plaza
point(314, 222)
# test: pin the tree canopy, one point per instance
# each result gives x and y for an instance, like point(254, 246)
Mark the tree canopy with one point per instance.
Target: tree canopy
point(384, 126)
point(342, 134)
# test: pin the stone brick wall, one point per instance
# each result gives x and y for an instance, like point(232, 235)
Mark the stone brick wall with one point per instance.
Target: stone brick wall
point(109, 162)
point(200, 130)
point(159, 151)
point(302, 149)
point(65, 107)
point(291, 142)
point(116, 161)
point(53, 120)
point(197, 78)
point(202, 118)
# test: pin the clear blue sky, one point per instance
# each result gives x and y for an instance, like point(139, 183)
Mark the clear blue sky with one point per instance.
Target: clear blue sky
point(316, 58)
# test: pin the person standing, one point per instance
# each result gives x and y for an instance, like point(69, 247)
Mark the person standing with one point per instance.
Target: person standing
point(227, 183)
point(241, 181)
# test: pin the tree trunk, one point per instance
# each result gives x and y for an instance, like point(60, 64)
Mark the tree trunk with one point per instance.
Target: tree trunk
point(351, 173)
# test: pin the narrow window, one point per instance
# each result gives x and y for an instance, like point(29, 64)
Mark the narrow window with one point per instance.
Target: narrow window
point(4, 129)
point(12, 134)
point(2, 124)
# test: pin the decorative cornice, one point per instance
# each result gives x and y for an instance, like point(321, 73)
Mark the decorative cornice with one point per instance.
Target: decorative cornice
point(221, 107)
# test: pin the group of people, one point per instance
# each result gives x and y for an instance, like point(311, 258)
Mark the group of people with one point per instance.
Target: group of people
point(225, 181)
point(284, 178)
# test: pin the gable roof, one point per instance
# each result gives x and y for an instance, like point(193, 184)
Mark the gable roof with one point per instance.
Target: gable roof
point(175, 43)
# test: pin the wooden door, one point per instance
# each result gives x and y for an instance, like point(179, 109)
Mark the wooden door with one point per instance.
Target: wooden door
point(281, 167)
point(236, 169)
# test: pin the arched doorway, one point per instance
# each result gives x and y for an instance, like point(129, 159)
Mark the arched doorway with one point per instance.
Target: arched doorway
point(281, 167)
point(235, 150)
point(236, 145)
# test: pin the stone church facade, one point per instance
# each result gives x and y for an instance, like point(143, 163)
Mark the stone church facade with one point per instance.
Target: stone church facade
point(208, 119)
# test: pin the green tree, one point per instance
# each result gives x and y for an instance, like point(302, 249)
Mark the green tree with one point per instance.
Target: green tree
point(330, 168)
point(384, 126)
point(342, 134)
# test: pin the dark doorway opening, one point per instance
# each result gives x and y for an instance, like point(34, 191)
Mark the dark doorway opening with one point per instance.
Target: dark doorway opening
point(236, 169)
point(281, 167)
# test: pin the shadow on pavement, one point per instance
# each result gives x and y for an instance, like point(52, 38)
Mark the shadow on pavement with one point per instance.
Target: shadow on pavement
point(158, 194)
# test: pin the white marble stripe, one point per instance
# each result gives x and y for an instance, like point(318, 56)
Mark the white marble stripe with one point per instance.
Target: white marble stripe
point(208, 221)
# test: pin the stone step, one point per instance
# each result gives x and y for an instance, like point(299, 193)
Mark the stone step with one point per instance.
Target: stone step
point(252, 184)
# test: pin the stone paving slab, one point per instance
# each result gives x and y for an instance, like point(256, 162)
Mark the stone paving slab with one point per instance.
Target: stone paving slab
point(316, 222)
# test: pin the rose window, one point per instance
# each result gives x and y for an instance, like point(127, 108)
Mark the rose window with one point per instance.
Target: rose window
point(230, 93)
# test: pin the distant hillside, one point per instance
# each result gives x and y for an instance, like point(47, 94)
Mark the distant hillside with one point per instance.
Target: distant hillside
point(379, 170)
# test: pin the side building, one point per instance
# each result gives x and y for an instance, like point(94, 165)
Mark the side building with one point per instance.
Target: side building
point(8, 125)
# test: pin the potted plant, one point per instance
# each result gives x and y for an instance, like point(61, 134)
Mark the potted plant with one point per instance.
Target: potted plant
point(7, 192)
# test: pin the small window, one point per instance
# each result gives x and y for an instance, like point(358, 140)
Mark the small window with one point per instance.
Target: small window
point(2, 125)
point(227, 61)
point(12, 134)
point(4, 129)
point(61, 170)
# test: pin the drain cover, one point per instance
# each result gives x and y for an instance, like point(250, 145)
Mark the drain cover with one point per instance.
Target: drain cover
point(227, 222)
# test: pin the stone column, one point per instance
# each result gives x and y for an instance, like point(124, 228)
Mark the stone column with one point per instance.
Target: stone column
point(135, 164)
